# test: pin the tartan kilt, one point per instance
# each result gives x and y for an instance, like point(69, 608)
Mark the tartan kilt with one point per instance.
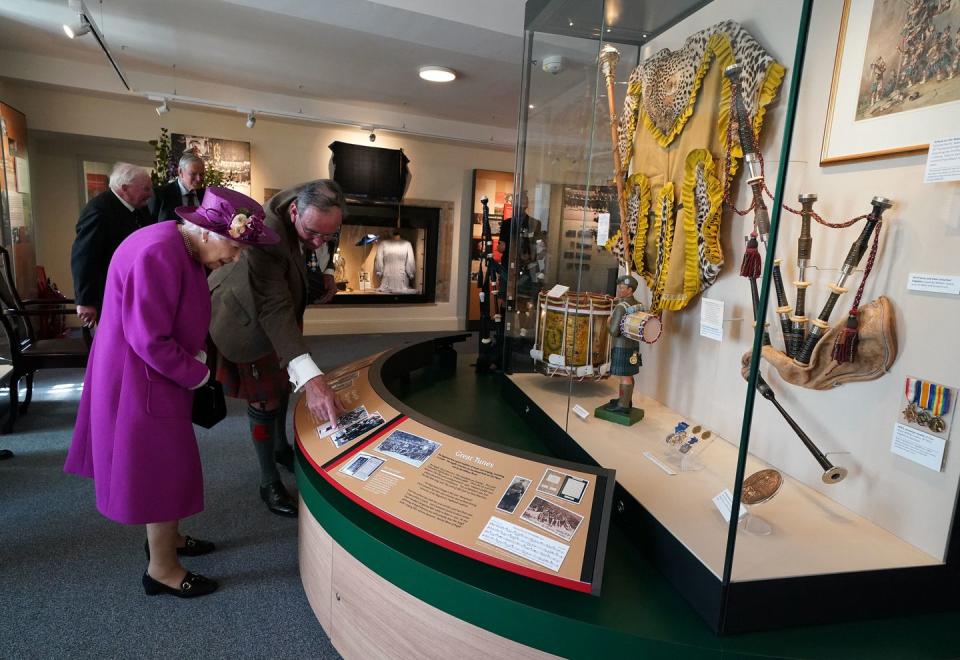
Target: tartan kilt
point(620, 361)
point(261, 380)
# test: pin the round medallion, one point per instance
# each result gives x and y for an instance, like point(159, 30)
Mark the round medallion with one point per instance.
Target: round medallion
point(761, 486)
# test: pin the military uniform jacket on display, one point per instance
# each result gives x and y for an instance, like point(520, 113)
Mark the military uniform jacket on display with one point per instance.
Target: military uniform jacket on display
point(673, 140)
point(259, 301)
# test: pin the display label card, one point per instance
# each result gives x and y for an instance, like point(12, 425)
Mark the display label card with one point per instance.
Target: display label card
point(580, 411)
point(711, 319)
point(558, 291)
point(603, 228)
point(660, 464)
point(917, 446)
point(943, 161)
point(724, 503)
point(933, 283)
point(524, 543)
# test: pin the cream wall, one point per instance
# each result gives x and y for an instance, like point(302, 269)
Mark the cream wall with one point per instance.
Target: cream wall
point(922, 233)
point(282, 153)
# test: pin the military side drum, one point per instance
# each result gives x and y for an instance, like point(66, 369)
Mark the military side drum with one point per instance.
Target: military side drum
point(571, 335)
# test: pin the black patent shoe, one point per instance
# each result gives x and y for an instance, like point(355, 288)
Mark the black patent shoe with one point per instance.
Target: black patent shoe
point(284, 457)
point(278, 500)
point(191, 586)
point(191, 548)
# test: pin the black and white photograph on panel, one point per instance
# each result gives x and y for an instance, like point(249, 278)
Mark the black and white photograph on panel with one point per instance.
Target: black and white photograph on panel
point(342, 436)
point(362, 466)
point(407, 447)
point(552, 518)
point(514, 493)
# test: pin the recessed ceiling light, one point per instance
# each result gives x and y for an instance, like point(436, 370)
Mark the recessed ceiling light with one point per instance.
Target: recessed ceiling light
point(531, 106)
point(437, 74)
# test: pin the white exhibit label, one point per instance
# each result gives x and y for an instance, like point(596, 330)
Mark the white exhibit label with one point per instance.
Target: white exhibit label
point(603, 228)
point(917, 446)
point(933, 283)
point(660, 464)
point(724, 503)
point(943, 161)
point(580, 411)
point(522, 542)
point(711, 319)
point(558, 291)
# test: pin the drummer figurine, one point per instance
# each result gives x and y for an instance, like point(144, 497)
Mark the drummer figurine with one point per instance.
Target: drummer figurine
point(624, 357)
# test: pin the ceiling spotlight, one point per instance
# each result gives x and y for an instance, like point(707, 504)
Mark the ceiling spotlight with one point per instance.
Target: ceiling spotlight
point(78, 29)
point(163, 108)
point(373, 136)
point(251, 119)
point(531, 106)
point(437, 74)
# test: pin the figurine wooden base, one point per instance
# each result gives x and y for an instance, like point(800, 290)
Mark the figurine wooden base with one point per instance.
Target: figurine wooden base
point(626, 419)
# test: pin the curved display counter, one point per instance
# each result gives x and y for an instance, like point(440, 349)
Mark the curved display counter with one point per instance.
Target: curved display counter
point(381, 587)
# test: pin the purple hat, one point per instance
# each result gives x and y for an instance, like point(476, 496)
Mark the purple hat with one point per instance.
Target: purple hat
point(231, 214)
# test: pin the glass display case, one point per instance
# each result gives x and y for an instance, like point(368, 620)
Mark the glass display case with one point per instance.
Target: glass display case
point(387, 254)
point(771, 467)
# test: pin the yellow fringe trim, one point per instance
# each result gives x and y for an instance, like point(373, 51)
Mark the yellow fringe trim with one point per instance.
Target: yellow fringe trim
point(663, 227)
point(713, 45)
point(720, 49)
point(710, 227)
point(641, 182)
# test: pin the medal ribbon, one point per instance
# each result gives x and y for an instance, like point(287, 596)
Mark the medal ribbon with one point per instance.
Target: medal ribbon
point(929, 396)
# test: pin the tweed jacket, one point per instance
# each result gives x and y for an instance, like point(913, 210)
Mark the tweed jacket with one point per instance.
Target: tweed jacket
point(258, 302)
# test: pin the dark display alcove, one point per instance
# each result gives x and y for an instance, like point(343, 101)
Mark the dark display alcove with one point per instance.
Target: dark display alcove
point(419, 225)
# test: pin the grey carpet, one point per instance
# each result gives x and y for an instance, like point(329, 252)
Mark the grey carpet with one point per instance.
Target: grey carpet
point(70, 579)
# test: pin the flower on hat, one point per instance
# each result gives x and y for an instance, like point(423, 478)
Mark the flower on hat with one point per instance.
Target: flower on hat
point(238, 226)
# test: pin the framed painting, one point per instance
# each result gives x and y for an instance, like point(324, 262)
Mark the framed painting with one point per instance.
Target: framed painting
point(896, 79)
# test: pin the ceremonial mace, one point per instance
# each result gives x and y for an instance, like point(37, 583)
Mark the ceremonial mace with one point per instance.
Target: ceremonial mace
point(798, 322)
point(761, 216)
point(609, 57)
point(854, 256)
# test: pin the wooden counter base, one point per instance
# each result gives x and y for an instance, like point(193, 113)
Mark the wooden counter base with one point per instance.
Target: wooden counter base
point(366, 616)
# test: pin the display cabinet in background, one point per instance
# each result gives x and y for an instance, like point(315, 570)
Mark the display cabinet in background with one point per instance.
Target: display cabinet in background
point(779, 471)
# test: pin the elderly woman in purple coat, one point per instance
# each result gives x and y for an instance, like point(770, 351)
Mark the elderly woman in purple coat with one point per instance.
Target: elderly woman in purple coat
point(133, 434)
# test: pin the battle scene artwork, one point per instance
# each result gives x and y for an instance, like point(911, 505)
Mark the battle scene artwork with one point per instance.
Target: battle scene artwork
point(912, 59)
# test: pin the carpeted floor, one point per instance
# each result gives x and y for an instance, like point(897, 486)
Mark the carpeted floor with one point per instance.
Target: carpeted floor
point(70, 579)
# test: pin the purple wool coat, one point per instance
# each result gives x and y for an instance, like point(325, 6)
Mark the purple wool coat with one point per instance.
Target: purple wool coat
point(133, 434)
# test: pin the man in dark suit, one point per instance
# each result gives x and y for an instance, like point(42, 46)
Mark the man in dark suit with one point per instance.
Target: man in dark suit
point(104, 222)
point(186, 190)
point(258, 306)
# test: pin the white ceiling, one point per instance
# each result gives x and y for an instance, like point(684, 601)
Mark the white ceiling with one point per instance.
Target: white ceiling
point(357, 53)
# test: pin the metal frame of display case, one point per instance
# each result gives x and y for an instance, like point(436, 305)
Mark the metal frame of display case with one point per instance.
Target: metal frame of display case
point(729, 606)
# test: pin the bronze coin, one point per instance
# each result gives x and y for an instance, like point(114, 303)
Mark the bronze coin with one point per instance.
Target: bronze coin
point(761, 486)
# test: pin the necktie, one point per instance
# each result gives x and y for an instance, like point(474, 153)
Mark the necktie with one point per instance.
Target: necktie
point(191, 198)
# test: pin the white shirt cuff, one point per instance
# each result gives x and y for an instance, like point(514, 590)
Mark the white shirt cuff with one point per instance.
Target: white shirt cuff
point(202, 382)
point(302, 369)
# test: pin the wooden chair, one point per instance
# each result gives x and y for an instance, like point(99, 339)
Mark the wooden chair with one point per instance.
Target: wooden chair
point(27, 353)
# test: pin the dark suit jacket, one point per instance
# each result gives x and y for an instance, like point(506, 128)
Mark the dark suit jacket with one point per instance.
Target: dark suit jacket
point(104, 223)
point(259, 301)
point(166, 199)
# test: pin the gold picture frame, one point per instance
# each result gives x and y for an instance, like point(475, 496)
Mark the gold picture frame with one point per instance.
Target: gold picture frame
point(900, 121)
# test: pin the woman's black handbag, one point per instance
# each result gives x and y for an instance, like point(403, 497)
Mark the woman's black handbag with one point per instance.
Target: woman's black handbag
point(209, 404)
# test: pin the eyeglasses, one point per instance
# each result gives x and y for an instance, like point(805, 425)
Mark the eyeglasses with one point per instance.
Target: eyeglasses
point(324, 236)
